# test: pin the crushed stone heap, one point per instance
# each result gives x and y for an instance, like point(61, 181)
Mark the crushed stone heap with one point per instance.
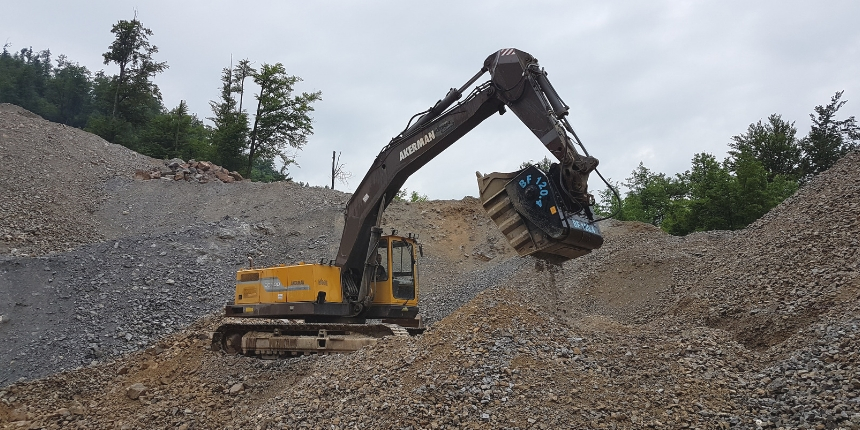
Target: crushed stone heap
point(758, 328)
point(52, 181)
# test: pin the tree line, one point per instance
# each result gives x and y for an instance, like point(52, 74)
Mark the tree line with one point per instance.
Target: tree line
point(765, 165)
point(127, 108)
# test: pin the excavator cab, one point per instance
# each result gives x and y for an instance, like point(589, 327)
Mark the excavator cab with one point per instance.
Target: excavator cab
point(395, 277)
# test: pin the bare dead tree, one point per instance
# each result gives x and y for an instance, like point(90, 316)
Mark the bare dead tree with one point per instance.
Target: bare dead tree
point(338, 170)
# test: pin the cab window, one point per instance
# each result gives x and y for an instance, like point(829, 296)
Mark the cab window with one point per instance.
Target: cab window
point(380, 268)
point(402, 270)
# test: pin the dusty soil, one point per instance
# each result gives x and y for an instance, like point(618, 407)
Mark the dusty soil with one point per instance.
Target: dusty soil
point(114, 282)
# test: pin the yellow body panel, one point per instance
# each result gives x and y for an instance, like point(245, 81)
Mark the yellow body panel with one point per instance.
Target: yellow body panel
point(280, 284)
point(304, 282)
point(383, 294)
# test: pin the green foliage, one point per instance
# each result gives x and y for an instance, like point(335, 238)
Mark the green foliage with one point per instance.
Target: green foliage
point(712, 195)
point(69, 92)
point(711, 205)
point(24, 76)
point(240, 73)
point(608, 204)
point(544, 165)
point(764, 167)
point(116, 130)
point(774, 144)
point(651, 197)
point(415, 197)
point(281, 120)
point(828, 139)
point(231, 126)
point(61, 94)
point(405, 196)
point(132, 53)
point(127, 108)
point(264, 170)
point(177, 134)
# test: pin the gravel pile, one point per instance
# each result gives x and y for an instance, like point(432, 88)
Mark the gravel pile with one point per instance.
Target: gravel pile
point(51, 182)
point(815, 383)
point(750, 329)
point(797, 263)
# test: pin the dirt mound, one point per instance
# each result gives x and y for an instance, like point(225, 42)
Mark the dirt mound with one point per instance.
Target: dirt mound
point(797, 263)
point(763, 284)
point(52, 182)
point(757, 328)
point(10, 108)
point(494, 363)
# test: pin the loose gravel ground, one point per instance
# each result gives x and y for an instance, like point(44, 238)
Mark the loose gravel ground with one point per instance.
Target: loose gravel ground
point(113, 286)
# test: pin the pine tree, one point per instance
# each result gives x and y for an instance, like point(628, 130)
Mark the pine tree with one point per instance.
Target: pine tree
point(829, 139)
point(229, 135)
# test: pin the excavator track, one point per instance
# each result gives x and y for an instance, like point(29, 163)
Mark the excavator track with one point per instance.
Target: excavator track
point(284, 338)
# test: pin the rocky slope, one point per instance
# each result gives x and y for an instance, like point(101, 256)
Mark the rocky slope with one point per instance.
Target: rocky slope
point(750, 329)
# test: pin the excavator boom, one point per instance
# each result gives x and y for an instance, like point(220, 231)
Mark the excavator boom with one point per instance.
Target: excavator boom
point(517, 83)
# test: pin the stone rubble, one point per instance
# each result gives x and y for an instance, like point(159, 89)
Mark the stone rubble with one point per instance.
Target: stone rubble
point(195, 171)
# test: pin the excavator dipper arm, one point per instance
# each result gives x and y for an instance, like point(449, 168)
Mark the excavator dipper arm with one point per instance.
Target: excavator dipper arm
point(517, 83)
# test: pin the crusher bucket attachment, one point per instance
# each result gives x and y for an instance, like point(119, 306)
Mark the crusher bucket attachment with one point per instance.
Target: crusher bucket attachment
point(529, 211)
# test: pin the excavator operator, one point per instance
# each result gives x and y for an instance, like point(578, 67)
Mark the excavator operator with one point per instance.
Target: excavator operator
point(380, 272)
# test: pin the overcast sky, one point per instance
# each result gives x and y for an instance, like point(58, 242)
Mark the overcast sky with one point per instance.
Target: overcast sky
point(655, 81)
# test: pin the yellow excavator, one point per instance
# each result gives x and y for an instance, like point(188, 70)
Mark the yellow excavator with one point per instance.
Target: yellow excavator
point(370, 290)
